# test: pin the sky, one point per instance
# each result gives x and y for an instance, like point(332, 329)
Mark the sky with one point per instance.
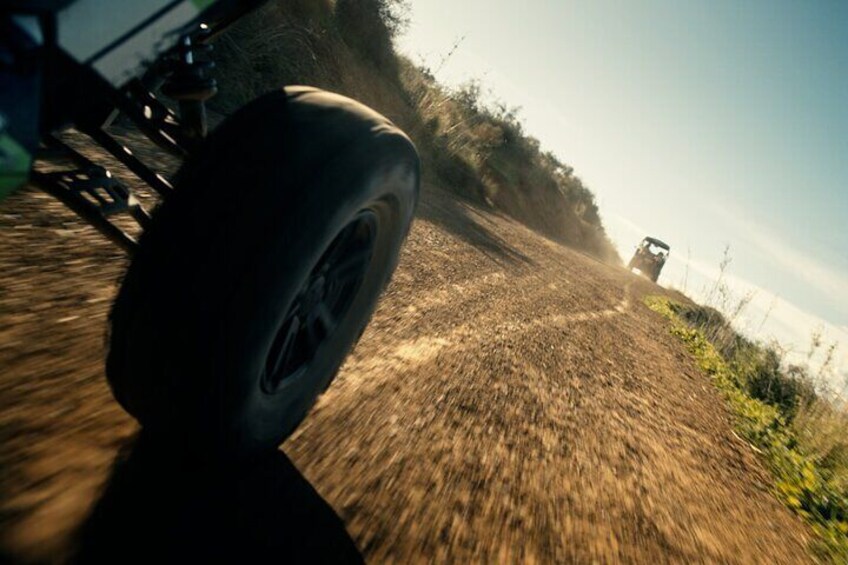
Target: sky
point(705, 123)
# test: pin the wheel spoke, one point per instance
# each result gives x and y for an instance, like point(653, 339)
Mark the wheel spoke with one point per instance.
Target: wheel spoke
point(288, 345)
point(325, 318)
point(350, 265)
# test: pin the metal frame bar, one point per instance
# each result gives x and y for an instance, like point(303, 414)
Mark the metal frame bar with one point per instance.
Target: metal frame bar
point(85, 210)
point(89, 189)
point(123, 154)
point(155, 120)
point(71, 186)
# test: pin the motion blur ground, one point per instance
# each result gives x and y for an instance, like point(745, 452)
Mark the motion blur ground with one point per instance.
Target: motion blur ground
point(512, 399)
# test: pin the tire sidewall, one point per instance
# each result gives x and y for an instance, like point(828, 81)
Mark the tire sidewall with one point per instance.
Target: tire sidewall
point(187, 353)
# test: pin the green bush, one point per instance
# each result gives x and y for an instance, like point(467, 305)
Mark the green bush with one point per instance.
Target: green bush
point(803, 437)
point(757, 368)
point(766, 380)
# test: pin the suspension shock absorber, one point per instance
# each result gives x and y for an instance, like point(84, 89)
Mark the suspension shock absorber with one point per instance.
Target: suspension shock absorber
point(190, 83)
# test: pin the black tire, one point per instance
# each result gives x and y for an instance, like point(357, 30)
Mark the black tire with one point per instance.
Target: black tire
point(218, 333)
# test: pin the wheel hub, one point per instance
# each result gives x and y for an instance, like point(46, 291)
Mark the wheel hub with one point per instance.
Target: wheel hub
point(323, 302)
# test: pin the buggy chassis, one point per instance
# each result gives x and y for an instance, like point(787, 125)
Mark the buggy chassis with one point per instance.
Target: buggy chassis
point(38, 72)
point(262, 265)
point(650, 263)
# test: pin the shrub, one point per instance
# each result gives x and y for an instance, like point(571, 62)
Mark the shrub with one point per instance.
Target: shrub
point(478, 150)
point(370, 26)
point(803, 437)
point(512, 173)
point(757, 368)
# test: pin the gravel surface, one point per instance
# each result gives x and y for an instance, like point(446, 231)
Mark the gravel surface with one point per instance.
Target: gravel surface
point(512, 400)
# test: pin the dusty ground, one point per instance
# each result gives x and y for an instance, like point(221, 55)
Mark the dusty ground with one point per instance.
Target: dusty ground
point(511, 401)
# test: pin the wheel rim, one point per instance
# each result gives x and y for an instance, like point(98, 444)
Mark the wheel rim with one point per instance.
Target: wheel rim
point(322, 303)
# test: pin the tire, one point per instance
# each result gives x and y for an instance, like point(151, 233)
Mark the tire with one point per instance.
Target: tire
point(259, 274)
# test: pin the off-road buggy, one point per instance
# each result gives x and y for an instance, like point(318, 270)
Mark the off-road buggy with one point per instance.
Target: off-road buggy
point(265, 260)
point(650, 257)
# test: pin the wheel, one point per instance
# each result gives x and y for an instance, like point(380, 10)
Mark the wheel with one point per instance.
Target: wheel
point(258, 275)
point(631, 264)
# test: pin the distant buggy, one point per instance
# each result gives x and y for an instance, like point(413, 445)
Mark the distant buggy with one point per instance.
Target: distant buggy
point(263, 264)
point(650, 257)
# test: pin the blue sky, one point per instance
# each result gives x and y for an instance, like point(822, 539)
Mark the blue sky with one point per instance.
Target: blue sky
point(703, 123)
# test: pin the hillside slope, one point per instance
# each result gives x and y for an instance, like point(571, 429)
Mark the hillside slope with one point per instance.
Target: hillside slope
point(479, 153)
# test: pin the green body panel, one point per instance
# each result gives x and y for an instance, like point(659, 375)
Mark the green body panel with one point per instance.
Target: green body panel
point(15, 162)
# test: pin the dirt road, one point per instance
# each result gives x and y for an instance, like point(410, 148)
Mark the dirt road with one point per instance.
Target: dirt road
point(512, 401)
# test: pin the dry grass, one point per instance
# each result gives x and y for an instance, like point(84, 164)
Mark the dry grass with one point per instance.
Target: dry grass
point(510, 171)
point(479, 152)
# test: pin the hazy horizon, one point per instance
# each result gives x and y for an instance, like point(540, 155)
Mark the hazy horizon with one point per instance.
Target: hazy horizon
point(704, 124)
